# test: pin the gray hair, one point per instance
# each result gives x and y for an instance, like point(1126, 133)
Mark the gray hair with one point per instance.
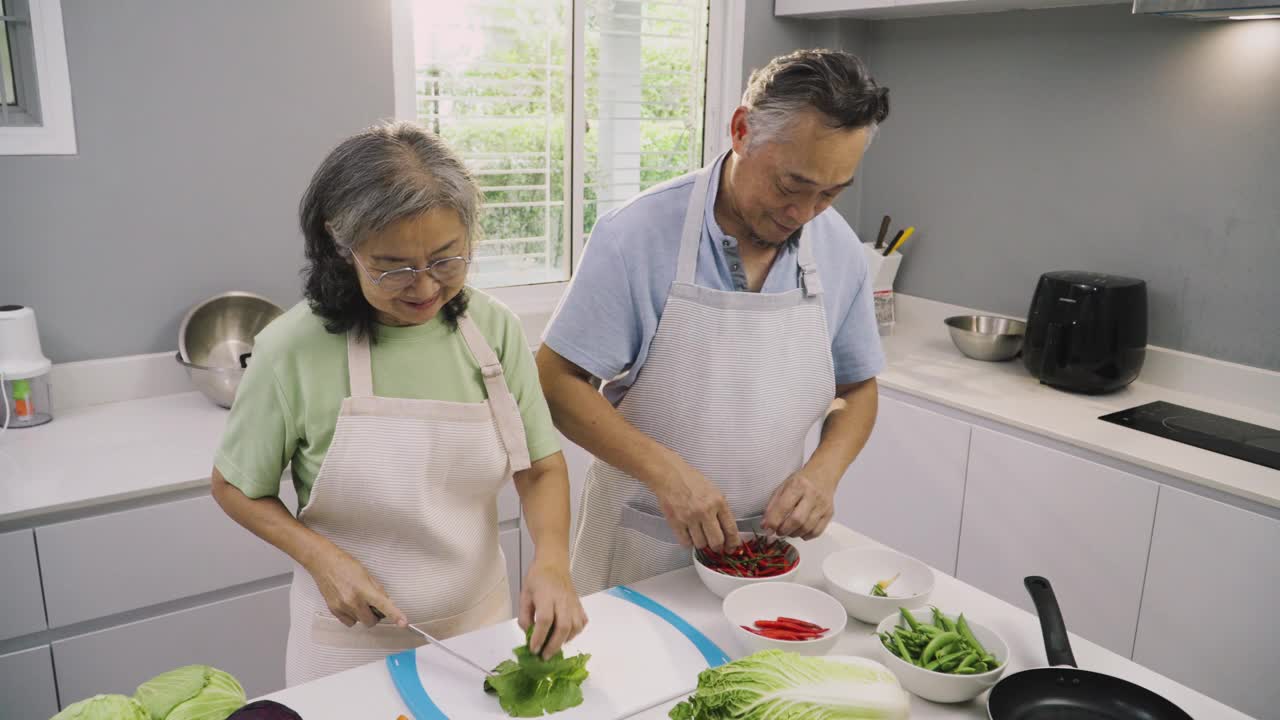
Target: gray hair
point(382, 175)
point(835, 83)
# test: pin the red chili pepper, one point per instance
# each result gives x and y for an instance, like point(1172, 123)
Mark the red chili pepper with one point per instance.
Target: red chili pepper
point(806, 623)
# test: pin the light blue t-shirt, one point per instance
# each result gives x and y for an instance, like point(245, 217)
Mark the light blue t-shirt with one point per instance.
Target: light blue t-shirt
point(610, 313)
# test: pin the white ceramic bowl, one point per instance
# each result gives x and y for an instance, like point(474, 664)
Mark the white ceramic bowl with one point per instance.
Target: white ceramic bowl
point(721, 584)
point(944, 687)
point(771, 600)
point(851, 572)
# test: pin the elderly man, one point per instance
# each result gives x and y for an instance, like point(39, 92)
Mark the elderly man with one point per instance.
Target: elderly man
point(725, 312)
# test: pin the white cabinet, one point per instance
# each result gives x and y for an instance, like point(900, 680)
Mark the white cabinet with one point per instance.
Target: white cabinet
point(244, 636)
point(906, 488)
point(1209, 607)
point(887, 9)
point(20, 595)
point(27, 690)
point(1031, 510)
point(166, 551)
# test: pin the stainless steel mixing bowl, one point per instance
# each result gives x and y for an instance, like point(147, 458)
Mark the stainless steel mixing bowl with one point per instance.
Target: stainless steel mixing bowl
point(987, 337)
point(216, 340)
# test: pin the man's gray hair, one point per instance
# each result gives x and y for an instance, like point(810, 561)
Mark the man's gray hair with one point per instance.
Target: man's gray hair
point(387, 173)
point(833, 82)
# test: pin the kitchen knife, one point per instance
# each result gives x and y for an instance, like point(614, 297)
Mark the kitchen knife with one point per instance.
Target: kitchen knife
point(884, 229)
point(901, 240)
point(889, 248)
point(456, 655)
point(448, 650)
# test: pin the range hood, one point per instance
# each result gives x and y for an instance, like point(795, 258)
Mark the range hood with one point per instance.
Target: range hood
point(1210, 9)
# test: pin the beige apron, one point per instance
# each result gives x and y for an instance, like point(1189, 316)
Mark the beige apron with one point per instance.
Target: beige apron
point(733, 383)
point(409, 488)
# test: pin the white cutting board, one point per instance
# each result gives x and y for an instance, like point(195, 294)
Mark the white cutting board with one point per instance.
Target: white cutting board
point(637, 659)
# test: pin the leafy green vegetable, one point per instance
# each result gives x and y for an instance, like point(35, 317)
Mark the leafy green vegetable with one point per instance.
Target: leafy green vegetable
point(193, 692)
point(531, 687)
point(104, 707)
point(778, 685)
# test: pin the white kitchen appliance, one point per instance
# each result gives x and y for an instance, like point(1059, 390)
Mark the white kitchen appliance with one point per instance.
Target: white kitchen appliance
point(24, 370)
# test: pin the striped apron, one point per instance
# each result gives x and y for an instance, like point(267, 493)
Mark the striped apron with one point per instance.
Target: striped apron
point(409, 489)
point(733, 383)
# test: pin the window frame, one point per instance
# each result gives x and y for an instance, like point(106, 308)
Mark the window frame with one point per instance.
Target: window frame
point(55, 133)
point(726, 20)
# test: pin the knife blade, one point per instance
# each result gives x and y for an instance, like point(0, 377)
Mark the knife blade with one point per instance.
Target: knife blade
point(456, 655)
point(448, 650)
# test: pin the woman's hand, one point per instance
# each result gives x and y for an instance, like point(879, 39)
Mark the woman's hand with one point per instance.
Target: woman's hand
point(549, 603)
point(348, 590)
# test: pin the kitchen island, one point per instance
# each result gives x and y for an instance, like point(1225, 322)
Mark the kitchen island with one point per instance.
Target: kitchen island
point(367, 692)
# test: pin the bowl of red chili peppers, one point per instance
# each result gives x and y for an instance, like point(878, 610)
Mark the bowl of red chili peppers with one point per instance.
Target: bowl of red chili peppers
point(785, 616)
point(757, 559)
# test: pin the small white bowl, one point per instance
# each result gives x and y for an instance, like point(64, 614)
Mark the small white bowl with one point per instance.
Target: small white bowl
point(771, 600)
point(850, 574)
point(721, 584)
point(944, 687)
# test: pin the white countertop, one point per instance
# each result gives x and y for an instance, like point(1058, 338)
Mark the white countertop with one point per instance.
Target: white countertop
point(367, 691)
point(104, 453)
point(922, 361)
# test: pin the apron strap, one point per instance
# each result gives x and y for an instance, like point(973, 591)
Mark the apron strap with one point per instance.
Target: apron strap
point(691, 234)
point(809, 279)
point(359, 365)
point(503, 404)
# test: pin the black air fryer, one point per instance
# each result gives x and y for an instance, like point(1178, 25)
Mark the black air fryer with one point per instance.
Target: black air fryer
point(1086, 332)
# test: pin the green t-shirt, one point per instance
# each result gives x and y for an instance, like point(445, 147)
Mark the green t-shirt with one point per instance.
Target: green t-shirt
point(287, 405)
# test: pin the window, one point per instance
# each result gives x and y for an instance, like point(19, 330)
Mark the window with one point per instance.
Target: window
point(563, 109)
point(35, 90)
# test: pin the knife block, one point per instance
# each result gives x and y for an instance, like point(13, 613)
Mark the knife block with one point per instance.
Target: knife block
point(882, 271)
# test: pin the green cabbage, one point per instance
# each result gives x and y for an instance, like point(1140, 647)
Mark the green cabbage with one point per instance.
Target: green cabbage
point(104, 707)
point(194, 692)
point(778, 685)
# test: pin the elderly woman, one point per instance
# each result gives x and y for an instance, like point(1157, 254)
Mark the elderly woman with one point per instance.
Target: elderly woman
point(403, 401)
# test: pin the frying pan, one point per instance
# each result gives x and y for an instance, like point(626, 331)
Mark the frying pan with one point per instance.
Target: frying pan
point(1064, 692)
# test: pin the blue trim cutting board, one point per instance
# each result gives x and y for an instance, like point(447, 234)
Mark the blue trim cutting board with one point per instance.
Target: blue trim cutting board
point(641, 652)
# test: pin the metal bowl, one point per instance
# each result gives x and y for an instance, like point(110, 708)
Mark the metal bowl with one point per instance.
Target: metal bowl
point(987, 337)
point(215, 341)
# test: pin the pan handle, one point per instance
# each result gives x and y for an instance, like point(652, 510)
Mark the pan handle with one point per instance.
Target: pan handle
point(1056, 644)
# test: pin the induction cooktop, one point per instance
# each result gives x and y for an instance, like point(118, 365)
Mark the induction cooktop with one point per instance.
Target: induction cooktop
point(1253, 443)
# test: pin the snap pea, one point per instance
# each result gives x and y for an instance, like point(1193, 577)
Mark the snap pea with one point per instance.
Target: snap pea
point(911, 620)
point(968, 660)
point(962, 627)
point(966, 671)
point(980, 666)
point(930, 630)
point(941, 621)
point(902, 647)
point(937, 643)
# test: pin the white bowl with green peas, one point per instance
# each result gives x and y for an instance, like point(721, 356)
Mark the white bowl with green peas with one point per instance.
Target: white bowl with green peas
point(853, 575)
point(950, 662)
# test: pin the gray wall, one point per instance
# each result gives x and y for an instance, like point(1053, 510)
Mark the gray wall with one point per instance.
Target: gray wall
point(199, 125)
point(1086, 138)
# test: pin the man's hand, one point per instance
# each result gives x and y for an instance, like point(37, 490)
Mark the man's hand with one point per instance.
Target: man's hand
point(696, 510)
point(800, 507)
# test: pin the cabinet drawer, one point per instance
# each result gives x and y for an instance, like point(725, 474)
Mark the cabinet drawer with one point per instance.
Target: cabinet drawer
point(27, 691)
point(244, 636)
point(20, 586)
point(121, 561)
